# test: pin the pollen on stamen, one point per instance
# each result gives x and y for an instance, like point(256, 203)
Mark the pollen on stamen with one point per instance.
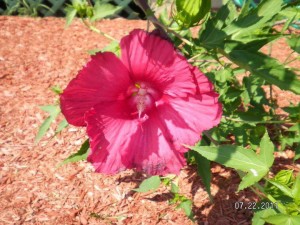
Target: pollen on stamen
point(140, 104)
point(142, 99)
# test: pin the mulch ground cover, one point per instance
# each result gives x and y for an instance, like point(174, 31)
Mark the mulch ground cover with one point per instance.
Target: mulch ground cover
point(36, 54)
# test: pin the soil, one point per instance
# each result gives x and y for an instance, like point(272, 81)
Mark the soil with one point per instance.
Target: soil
point(36, 54)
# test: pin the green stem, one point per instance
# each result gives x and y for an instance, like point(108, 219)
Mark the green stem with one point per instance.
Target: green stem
point(287, 58)
point(147, 10)
point(263, 122)
point(281, 207)
point(261, 196)
point(291, 61)
point(210, 138)
point(271, 88)
point(96, 30)
point(89, 3)
point(194, 57)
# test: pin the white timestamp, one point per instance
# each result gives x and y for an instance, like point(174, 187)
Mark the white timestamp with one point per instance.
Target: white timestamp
point(255, 205)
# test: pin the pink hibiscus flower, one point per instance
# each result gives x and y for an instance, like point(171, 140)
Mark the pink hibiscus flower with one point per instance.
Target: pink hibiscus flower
point(142, 108)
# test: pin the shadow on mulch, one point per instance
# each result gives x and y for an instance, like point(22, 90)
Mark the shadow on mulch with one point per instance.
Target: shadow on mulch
point(223, 208)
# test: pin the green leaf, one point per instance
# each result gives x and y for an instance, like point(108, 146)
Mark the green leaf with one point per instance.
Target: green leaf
point(296, 188)
point(294, 43)
point(174, 188)
point(203, 169)
point(53, 110)
point(70, 15)
point(63, 124)
point(266, 151)
point(283, 219)
point(159, 2)
point(211, 34)
point(114, 47)
point(238, 158)
point(94, 51)
point(78, 156)
point(255, 19)
point(150, 184)
point(186, 205)
point(56, 89)
point(225, 15)
point(102, 10)
point(258, 215)
point(284, 177)
point(292, 13)
point(297, 153)
point(293, 111)
point(43, 129)
point(246, 7)
point(286, 190)
point(265, 67)
point(252, 43)
point(295, 128)
point(224, 75)
point(190, 12)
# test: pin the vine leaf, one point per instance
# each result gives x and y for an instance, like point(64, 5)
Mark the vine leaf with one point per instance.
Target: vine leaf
point(239, 158)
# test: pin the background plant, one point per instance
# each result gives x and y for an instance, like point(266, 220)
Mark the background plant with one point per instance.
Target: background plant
point(56, 7)
point(24, 7)
point(227, 49)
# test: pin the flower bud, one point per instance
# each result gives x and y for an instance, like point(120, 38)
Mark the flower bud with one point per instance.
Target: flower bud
point(190, 12)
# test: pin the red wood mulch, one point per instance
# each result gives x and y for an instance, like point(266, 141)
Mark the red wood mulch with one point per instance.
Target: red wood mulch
point(36, 54)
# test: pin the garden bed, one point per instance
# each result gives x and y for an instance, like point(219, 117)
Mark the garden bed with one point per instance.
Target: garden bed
point(36, 54)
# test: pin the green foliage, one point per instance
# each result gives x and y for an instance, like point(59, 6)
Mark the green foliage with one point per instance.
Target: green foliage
point(246, 137)
point(159, 2)
point(78, 156)
point(83, 9)
point(181, 201)
point(283, 191)
point(102, 10)
point(265, 67)
point(257, 18)
point(294, 42)
point(62, 125)
point(186, 205)
point(53, 111)
point(150, 184)
point(24, 7)
point(203, 169)
point(239, 37)
point(283, 219)
point(153, 183)
point(70, 15)
point(246, 160)
point(190, 12)
point(56, 89)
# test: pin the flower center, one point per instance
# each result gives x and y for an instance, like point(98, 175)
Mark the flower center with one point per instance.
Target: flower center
point(142, 98)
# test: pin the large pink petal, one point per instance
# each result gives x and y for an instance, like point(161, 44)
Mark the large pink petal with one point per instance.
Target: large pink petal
point(153, 150)
point(110, 131)
point(187, 118)
point(152, 59)
point(118, 142)
point(104, 78)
